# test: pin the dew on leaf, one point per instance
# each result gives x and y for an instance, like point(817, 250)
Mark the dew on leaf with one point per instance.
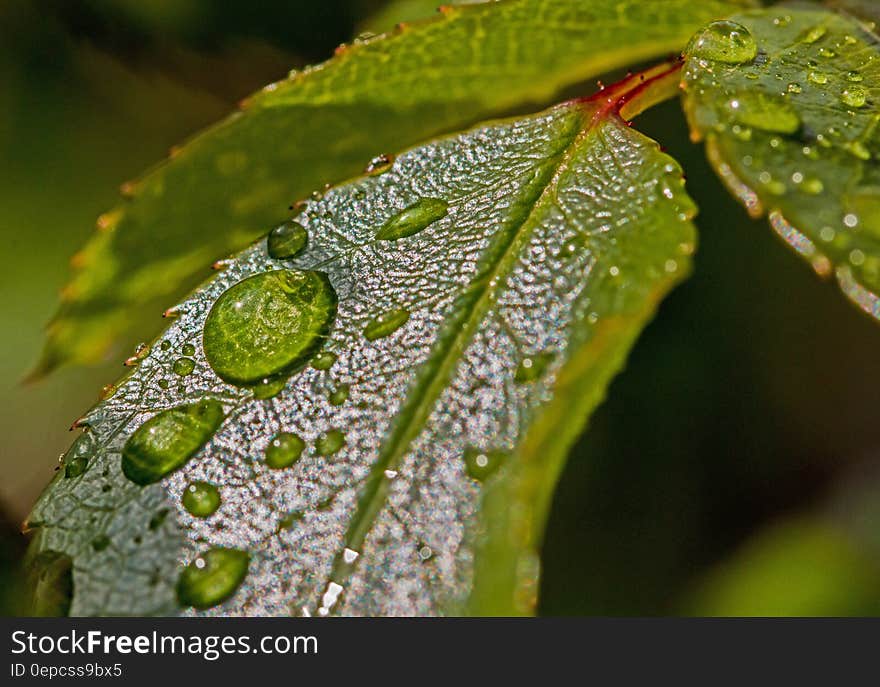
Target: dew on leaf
point(212, 577)
point(724, 41)
point(330, 442)
point(813, 34)
point(762, 111)
point(284, 450)
point(268, 324)
point(183, 366)
point(188, 350)
point(385, 324)
point(854, 96)
point(339, 395)
point(818, 78)
point(532, 367)
point(323, 360)
point(379, 164)
point(167, 440)
point(201, 499)
point(481, 464)
point(287, 240)
point(413, 219)
point(269, 387)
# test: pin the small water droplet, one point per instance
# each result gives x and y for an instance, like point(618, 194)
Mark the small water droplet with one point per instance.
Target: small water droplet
point(268, 324)
point(813, 34)
point(201, 499)
point(854, 96)
point(339, 395)
point(379, 164)
point(212, 577)
point(818, 78)
point(167, 440)
point(183, 366)
point(330, 442)
point(323, 360)
point(854, 76)
point(188, 350)
point(413, 219)
point(287, 241)
point(284, 450)
point(425, 552)
point(481, 464)
point(827, 53)
point(385, 324)
point(100, 543)
point(532, 367)
point(794, 88)
point(763, 111)
point(724, 41)
point(165, 345)
point(268, 387)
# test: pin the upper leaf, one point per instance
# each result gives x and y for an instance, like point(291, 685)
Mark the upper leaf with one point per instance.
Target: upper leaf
point(788, 101)
point(460, 314)
point(230, 184)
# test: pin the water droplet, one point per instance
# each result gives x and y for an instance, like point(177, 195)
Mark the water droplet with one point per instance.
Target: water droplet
point(269, 387)
point(165, 345)
point(724, 41)
point(167, 440)
point(330, 443)
point(864, 206)
point(379, 164)
point(413, 219)
point(339, 395)
point(100, 543)
point(212, 577)
point(794, 88)
point(385, 324)
point(854, 96)
point(480, 464)
point(323, 360)
point(284, 450)
point(188, 350)
point(818, 78)
point(854, 76)
point(268, 324)
point(287, 240)
point(812, 186)
point(76, 460)
point(201, 499)
point(532, 367)
point(163, 384)
point(183, 366)
point(763, 111)
point(813, 34)
point(827, 53)
point(425, 552)
point(858, 149)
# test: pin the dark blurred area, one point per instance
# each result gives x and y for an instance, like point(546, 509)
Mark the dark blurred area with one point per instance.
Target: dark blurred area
point(734, 469)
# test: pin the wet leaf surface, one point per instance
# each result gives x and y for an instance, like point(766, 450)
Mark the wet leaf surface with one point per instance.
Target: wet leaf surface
point(407, 468)
point(234, 182)
point(793, 131)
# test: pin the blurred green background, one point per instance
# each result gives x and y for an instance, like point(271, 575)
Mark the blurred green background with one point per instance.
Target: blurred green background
point(734, 469)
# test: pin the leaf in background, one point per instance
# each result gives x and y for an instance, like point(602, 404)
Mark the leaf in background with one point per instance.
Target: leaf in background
point(435, 336)
point(788, 101)
point(234, 182)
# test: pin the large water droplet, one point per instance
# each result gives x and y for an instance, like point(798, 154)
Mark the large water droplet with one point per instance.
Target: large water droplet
point(167, 440)
point(284, 450)
point(386, 323)
point(413, 219)
point(268, 324)
point(212, 577)
point(287, 240)
point(329, 443)
point(480, 464)
point(763, 111)
point(201, 499)
point(724, 41)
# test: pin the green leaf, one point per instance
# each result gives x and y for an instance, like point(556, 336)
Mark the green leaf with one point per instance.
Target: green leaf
point(790, 116)
point(232, 183)
point(408, 467)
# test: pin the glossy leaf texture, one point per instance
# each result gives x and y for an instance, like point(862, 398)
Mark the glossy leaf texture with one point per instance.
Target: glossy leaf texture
point(470, 305)
point(222, 189)
point(790, 120)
